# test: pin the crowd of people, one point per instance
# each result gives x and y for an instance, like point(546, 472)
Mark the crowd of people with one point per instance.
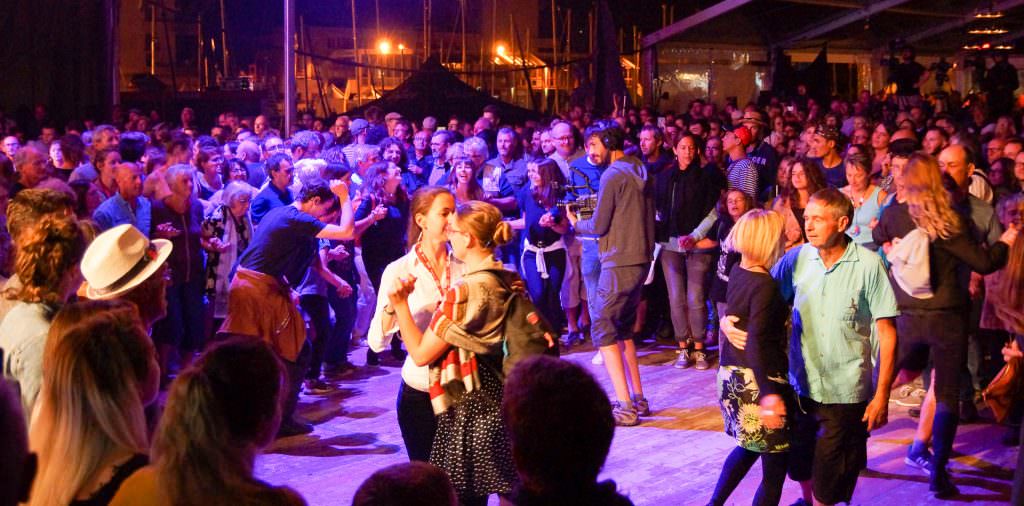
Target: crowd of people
point(830, 258)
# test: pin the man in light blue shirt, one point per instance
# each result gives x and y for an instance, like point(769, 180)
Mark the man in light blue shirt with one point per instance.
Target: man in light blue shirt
point(842, 304)
point(127, 205)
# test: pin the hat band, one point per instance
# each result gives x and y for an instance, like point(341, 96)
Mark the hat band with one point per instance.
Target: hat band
point(148, 256)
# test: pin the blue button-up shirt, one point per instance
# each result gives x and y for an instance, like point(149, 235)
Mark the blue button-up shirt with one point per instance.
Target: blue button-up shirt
point(116, 211)
point(834, 311)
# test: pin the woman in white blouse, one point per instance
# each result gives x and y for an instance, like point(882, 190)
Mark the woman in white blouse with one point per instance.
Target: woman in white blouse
point(435, 270)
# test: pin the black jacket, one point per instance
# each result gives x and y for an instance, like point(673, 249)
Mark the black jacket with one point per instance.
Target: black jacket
point(684, 198)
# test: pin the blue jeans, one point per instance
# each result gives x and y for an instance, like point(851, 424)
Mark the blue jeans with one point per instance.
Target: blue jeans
point(338, 339)
point(545, 292)
point(590, 268)
point(183, 326)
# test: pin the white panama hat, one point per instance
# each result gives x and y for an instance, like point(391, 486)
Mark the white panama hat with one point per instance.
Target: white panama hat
point(121, 259)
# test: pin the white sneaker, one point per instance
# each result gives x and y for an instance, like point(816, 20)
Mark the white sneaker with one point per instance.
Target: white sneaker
point(598, 359)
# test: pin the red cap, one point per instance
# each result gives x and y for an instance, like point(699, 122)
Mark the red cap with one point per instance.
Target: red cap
point(743, 134)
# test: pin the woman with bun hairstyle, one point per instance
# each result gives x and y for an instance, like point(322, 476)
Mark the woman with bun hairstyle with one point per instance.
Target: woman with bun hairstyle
point(463, 348)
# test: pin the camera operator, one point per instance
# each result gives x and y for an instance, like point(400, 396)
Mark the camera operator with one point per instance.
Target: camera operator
point(582, 263)
point(909, 76)
point(624, 225)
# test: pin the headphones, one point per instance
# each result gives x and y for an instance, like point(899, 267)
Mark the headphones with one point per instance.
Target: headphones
point(611, 136)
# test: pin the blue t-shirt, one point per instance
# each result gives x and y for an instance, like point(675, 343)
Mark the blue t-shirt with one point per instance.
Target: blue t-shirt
point(583, 167)
point(284, 245)
point(537, 235)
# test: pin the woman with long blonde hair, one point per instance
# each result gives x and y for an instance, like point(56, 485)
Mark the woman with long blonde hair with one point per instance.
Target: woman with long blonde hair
point(932, 319)
point(221, 412)
point(89, 430)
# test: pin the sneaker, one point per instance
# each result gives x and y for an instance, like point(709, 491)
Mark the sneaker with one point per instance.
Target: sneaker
point(683, 361)
point(598, 359)
point(921, 460)
point(372, 358)
point(317, 387)
point(700, 360)
point(643, 407)
point(339, 370)
point(913, 398)
point(625, 416)
point(292, 427)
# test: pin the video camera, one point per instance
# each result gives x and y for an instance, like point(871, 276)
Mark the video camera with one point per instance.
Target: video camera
point(582, 205)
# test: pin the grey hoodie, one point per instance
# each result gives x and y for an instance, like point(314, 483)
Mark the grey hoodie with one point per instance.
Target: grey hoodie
point(624, 219)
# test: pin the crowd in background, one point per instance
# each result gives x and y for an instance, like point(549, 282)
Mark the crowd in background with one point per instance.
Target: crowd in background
point(190, 237)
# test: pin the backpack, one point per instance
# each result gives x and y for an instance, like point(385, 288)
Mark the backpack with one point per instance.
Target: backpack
point(524, 328)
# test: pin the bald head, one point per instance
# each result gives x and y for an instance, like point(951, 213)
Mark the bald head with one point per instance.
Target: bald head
point(562, 139)
point(128, 177)
point(955, 160)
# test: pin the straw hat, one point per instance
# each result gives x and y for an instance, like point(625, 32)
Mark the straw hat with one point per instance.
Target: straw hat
point(121, 259)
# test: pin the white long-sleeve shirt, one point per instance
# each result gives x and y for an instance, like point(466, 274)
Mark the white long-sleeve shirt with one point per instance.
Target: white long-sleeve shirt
point(422, 302)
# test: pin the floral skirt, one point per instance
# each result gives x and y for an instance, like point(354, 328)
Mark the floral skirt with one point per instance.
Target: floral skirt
point(739, 398)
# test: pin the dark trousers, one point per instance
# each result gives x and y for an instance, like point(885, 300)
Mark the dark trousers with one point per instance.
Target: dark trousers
point(830, 446)
point(416, 421)
point(545, 292)
point(942, 337)
point(183, 326)
point(319, 313)
point(336, 347)
point(296, 371)
point(375, 271)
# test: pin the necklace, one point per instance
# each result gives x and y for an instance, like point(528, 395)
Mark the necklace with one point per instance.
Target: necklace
point(442, 283)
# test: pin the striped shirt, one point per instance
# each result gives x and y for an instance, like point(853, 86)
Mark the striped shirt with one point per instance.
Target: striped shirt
point(742, 175)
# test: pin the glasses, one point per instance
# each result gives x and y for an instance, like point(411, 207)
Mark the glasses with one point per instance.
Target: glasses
point(275, 147)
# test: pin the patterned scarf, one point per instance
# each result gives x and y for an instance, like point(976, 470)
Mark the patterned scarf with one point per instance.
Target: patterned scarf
point(454, 375)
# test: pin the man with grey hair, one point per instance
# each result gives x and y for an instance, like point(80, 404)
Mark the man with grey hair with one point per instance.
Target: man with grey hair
point(564, 142)
point(439, 144)
point(30, 164)
point(843, 307)
point(429, 124)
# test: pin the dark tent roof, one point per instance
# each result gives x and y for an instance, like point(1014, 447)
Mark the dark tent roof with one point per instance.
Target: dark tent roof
point(434, 91)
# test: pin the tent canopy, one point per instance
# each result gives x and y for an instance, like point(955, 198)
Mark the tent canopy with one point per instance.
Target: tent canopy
point(435, 91)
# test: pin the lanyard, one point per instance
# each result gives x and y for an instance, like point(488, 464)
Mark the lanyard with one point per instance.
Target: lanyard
point(441, 287)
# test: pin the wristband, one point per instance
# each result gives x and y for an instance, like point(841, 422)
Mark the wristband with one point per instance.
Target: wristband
point(388, 310)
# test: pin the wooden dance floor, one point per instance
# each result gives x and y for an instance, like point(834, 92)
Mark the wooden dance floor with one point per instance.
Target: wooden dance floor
point(673, 458)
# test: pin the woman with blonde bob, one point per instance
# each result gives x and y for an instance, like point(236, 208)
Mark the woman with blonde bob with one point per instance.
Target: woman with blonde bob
point(89, 430)
point(463, 347)
point(220, 413)
point(753, 390)
point(932, 321)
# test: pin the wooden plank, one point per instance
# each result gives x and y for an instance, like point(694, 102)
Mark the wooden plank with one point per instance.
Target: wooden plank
point(674, 457)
